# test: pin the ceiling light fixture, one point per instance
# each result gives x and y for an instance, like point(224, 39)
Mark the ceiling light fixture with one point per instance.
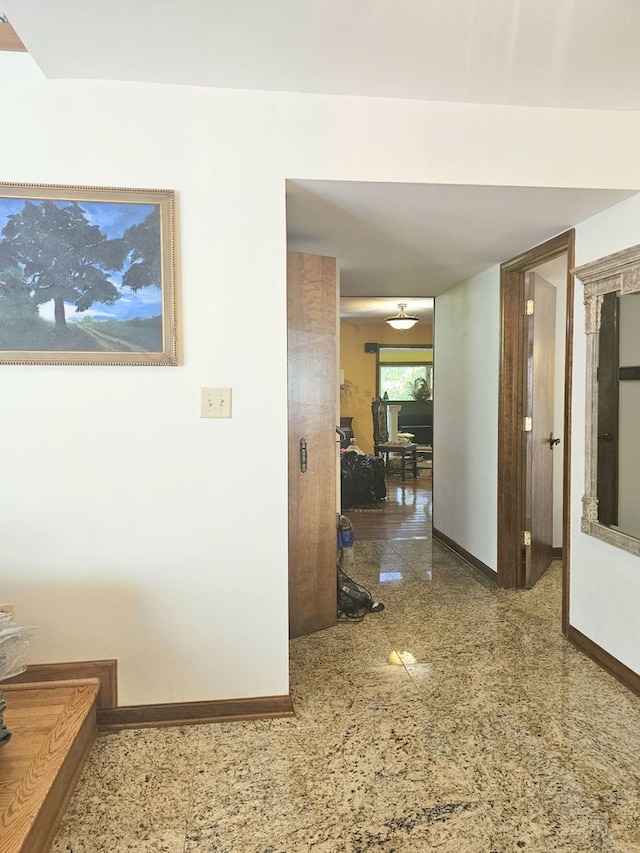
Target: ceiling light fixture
point(401, 321)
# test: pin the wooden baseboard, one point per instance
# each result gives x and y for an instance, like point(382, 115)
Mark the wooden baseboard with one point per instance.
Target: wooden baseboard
point(112, 717)
point(462, 552)
point(557, 553)
point(613, 666)
point(106, 671)
point(190, 713)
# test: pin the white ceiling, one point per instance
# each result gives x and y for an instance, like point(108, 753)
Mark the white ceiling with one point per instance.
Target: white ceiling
point(358, 309)
point(398, 240)
point(558, 53)
point(405, 240)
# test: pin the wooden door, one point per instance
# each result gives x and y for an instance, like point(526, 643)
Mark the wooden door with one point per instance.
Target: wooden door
point(539, 439)
point(312, 382)
point(608, 410)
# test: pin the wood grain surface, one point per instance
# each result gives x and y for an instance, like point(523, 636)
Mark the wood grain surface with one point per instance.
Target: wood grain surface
point(53, 727)
point(9, 39)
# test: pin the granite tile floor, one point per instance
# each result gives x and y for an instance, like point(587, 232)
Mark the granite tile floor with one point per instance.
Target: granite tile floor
point(458, 720)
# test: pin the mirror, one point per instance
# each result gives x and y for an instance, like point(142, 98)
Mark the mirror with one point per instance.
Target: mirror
point(611, 502)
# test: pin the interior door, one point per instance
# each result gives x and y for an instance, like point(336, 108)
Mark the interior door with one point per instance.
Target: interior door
point(312, 382)
point(539, 439)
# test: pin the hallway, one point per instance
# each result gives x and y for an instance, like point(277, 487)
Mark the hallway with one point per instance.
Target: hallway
point(458, 720)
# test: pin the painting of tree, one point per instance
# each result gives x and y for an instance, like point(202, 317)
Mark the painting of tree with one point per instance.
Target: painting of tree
point(62, 257)
point(86, 276)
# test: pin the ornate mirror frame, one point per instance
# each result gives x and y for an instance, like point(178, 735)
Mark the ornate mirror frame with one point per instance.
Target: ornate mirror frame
point(617, 273)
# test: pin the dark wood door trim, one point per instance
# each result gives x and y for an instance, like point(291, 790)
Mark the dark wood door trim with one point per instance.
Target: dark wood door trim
point(566, 457)
point(510, 409)
point(542, 253)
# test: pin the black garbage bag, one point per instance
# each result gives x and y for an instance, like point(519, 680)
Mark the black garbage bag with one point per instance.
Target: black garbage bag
point(362, 479)
point(347, 480)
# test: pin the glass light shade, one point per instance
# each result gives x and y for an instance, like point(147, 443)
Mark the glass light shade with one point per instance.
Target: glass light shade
point(401, 321)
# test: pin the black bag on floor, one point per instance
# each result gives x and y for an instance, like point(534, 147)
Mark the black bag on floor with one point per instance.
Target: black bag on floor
point(354, 600)
point(362, 479)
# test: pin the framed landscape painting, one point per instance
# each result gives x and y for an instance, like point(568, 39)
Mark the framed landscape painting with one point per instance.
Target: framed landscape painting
point(87, 275)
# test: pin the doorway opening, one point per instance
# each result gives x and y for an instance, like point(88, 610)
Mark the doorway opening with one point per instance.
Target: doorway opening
point(375, 358)
point(388, 374)
point(514, 416)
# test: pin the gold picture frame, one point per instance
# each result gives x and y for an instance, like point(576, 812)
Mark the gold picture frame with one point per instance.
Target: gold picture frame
point(87, 275)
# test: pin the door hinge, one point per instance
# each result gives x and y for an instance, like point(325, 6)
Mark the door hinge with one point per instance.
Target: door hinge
point(527, 426)
point(526, 537)
point(528, 307)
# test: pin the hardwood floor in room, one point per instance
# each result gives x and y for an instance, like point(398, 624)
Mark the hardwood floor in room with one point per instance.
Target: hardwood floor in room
point(405, 514)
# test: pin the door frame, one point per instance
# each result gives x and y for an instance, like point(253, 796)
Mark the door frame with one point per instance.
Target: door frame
point(511, 408)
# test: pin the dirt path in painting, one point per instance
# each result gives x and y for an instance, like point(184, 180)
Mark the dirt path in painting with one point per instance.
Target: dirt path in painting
point(109, 343)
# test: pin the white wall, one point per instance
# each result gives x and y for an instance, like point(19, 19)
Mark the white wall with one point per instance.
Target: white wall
point(130, 528)
point(465, 417)
point(605, 581)
point(465, 439)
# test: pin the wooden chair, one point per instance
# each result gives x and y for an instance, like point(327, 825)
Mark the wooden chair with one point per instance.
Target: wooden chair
point(385, 448)
point(380, 426)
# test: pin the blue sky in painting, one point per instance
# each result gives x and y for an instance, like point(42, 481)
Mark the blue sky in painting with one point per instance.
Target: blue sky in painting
point(145, 303)
point(113, 218)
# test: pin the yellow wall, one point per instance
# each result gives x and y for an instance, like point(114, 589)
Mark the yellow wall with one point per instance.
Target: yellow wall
point(360, 370)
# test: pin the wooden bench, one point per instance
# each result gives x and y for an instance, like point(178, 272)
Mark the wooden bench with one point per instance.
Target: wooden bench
point(53, 727)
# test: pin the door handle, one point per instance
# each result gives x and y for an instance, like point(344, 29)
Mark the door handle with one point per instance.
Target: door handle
point(303, 455)
point(553, 441)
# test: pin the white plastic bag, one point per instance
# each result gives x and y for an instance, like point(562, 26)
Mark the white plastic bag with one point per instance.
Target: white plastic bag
point(14, 647)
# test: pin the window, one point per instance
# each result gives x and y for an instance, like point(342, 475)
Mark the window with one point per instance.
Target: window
point(405, 373)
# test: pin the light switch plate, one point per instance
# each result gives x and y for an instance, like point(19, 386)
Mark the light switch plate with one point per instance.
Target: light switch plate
point(215, 402)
